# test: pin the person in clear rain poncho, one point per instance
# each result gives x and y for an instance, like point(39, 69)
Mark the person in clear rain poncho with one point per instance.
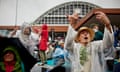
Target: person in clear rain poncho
point(83, 52)
point(27, 38)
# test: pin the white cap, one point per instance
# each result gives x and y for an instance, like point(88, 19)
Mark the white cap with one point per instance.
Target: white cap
point(61, 41)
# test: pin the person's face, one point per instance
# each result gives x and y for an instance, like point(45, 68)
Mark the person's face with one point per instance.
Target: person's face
point(27, 31)
point(96, 27)
point(84, 37)
point(8, 57)
point(62, 45)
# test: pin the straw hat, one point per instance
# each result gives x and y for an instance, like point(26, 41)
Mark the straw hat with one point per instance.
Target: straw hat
point(86, 29)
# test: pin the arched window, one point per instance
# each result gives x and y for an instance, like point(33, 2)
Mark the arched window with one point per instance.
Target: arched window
point(57, 15)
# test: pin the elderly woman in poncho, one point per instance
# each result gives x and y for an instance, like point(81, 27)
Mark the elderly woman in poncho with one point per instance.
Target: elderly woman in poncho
point(27, 38)
point(83, 51)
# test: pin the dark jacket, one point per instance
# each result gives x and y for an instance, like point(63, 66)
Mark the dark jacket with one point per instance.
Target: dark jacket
point(27, 60)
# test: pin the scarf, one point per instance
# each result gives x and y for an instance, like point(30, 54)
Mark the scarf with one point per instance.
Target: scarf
point(85, 60)
point(9, 66)
point(16, 68)
point(83, 55)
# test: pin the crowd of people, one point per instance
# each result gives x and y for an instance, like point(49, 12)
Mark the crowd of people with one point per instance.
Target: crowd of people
point(84, 50)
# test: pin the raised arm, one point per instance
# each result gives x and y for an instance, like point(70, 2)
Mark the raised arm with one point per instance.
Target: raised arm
point(102, 17)
point(71, 33)
point(108, 32)
point(69, 40)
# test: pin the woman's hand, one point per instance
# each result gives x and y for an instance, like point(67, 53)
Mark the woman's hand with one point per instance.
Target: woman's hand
point(73, 19)
point(102, 17)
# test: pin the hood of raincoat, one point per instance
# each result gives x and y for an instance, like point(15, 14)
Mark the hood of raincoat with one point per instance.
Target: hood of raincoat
point(25, 25)
point(18, 62)
point(44, 27)
point(11, 48)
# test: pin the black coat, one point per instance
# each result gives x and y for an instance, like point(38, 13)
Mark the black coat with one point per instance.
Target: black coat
point(116, 67)
point(25, 56)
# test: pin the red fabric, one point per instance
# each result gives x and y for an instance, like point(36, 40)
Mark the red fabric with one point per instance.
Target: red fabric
point(36, 30)
point(44, 38)
point(9, 66)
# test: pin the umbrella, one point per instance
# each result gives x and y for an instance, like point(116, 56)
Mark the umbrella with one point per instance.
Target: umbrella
point(25, 56)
